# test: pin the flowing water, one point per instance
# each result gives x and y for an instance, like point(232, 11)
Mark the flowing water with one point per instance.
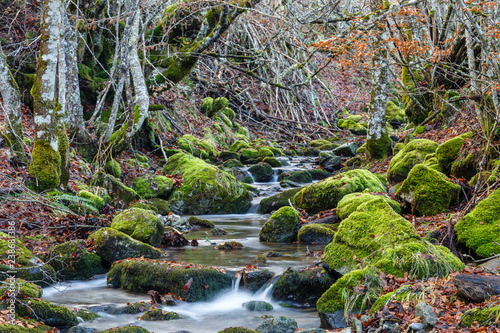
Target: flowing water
point(226, 309)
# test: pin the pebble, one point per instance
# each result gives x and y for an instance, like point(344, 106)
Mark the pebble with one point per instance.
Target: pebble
point(416, 326)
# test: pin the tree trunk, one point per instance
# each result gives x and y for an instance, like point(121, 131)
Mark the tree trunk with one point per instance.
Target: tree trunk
point(377, 141)
point(12, 110)
point(477, 288)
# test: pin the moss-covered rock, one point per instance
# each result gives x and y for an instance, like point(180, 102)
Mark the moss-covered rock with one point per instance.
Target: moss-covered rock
point(190, 282)
point(327, 193)
point(96, 201)
point(13, 252)
point(159, 314)
point(87, 315)
point(159, 206)
point(206, 188)
point(126, 329)
point(427, 191)
point(485, 316)
point(272, 161)
point(71, 260)
point(200, 222)
point(478, 230)
point(237, 330)
point(277, 201)
point(261, 172)
point(318, 174)
point(50, 314)
point(253, 278)
point(351, 202)
point(228, 155)
point(21, 287)
point(115, 187)
point(281, 227)
point(197, 147)
point(140, 224)
point(299, 176)
point(345, 295)
point(112, 245)
point(404, 292)
point(112, 167)
point(40, 328)
point(250, 156)
point(395, 113)
point(373, 226)
point(231, 245)
point(465, 166)
point(412, 154)
point(239, 145)
point(352, 126)
point(420, 258)
point(448, 151)
point(153, 186)
point(258, 306)
point(316, 233)
point(302, 285)
point(232, 163)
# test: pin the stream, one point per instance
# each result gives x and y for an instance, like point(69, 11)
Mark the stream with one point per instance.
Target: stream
point(226, 309)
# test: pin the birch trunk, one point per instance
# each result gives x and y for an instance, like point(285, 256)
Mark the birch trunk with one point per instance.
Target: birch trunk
point(12, 110)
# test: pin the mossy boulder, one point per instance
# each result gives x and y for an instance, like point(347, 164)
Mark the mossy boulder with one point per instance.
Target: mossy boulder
point(159, 206)
point(318, 174)
point(239, 145)
point(327, 193)
point(352, 126)
point(395, 113)
point(115, 187)
point(232, 163)
point(281, 227)
point(153, 186)
point(87, 315)
point(465, 166)
point(485, 316)
point(237, 330)
point(126, 329)
point(95, 200)
point(302, 284)
point(346, 293)
point(40, 328)
point(351, 202)
point(112, 167)
point(253, 278)
point(190, 282)
point(21, 287)
point(277, 201)
point(197, 147)
point(112, 245)
point(419, 258)
point(479, 230)
point(258, 306)
point(193, 220)
point(261, 172)
point(72, 261)
point(140, 224)
point(412, 154)
point(299, 176)
point(373, 226)
point(159, 314)
point(231, 245)
point(50, 314)
point(13, 250)
point(316, 233)
point(277, 324)
point(206, 188)
point(427, 191)
point(272, 161)
point(448, 151)
point(228, 155)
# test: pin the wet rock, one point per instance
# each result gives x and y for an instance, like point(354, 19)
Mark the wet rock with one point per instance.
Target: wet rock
point(112, 245)
point(274, 254)
point(272, 161)
point(173, 238)
point(253, 279)
point(279, 324)
point(232, 163)
point(284, 161)
point(190, 282)
point(201, 222)
point(177, 222)
point(330, 219)
point(217, 232)
point(299, 176)
point(206, 188)
point(87, 315)
point(286, 183)
point(81, 329)
point(50, 314)
point(346, 150)
point(302, 284)
point(159, 314)
point(229, 246)
point(71, 260)
point(313, 233)
point(140, 224)
point(260, 259)
point(258, 306)
point(126, 329)
point(428, 317)
point(237, 330)
point(330, 162)
point(318, 174)
point(277, 201)
point(281, 227)
point(333, 320)
point(262, 172)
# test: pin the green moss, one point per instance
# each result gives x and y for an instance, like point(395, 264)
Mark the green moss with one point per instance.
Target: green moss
point(404, 293)
point(200, 222)
point(21, 329)
point(239, 145)
point(140, 224)
point(247, 154)
point(169, 277)
point(272, 161)
point(365, 233)
point(13, 248)
point(299, 176)
point(112, 245)
point(72, 261)
point(156, 205)
point(87, 315)
point(276, 151)
point(395, 112)
point(413, 153)
point(206, 188)
point(484, 316)
point(478, 230)
point(96, 201)
point(281, 227)
point(116, 187)
point(351, 202)
point(342, 292)
point(196, 147)
point(243, 131)
point(447, 152)
point(237, 330)
point(231, 245)
point(45, 166)
point(261, 172)
point(327, 193)
point(22, 287)
point(427, 191)
point(50, 314)
point(232, 163)
point(319, 143)
point(377, 149)
point(153, 186)
point(465, 166)
point(421, 259)
point(277, 201)
point(318, 174)
point(354, 118)
point(159, 314)
point(126, 329)
point(206, 107)
point(316, 233)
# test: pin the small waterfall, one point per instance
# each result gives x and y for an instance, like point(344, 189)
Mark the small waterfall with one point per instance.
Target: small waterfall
point(236, 283)
point(275, 176)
